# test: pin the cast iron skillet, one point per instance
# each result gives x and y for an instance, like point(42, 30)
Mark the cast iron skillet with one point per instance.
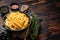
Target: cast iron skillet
point(19, 29)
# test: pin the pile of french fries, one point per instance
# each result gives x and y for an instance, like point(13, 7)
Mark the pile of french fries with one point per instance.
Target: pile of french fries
point(16, 20)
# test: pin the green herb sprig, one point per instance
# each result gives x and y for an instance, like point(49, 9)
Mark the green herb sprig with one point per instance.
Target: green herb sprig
point(33, 30)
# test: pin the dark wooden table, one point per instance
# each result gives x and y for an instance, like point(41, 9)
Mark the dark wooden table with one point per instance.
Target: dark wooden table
point(48, 11)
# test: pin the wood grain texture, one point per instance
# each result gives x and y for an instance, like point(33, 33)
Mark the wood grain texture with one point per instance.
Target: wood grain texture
point(48, 11)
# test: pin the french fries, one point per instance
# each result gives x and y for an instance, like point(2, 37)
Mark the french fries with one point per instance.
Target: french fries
point(16, 20)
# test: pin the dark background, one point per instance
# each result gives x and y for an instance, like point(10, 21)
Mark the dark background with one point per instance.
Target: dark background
point(48, 11)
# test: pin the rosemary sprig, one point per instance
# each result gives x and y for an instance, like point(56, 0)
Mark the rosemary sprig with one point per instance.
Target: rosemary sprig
point(33, 30)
